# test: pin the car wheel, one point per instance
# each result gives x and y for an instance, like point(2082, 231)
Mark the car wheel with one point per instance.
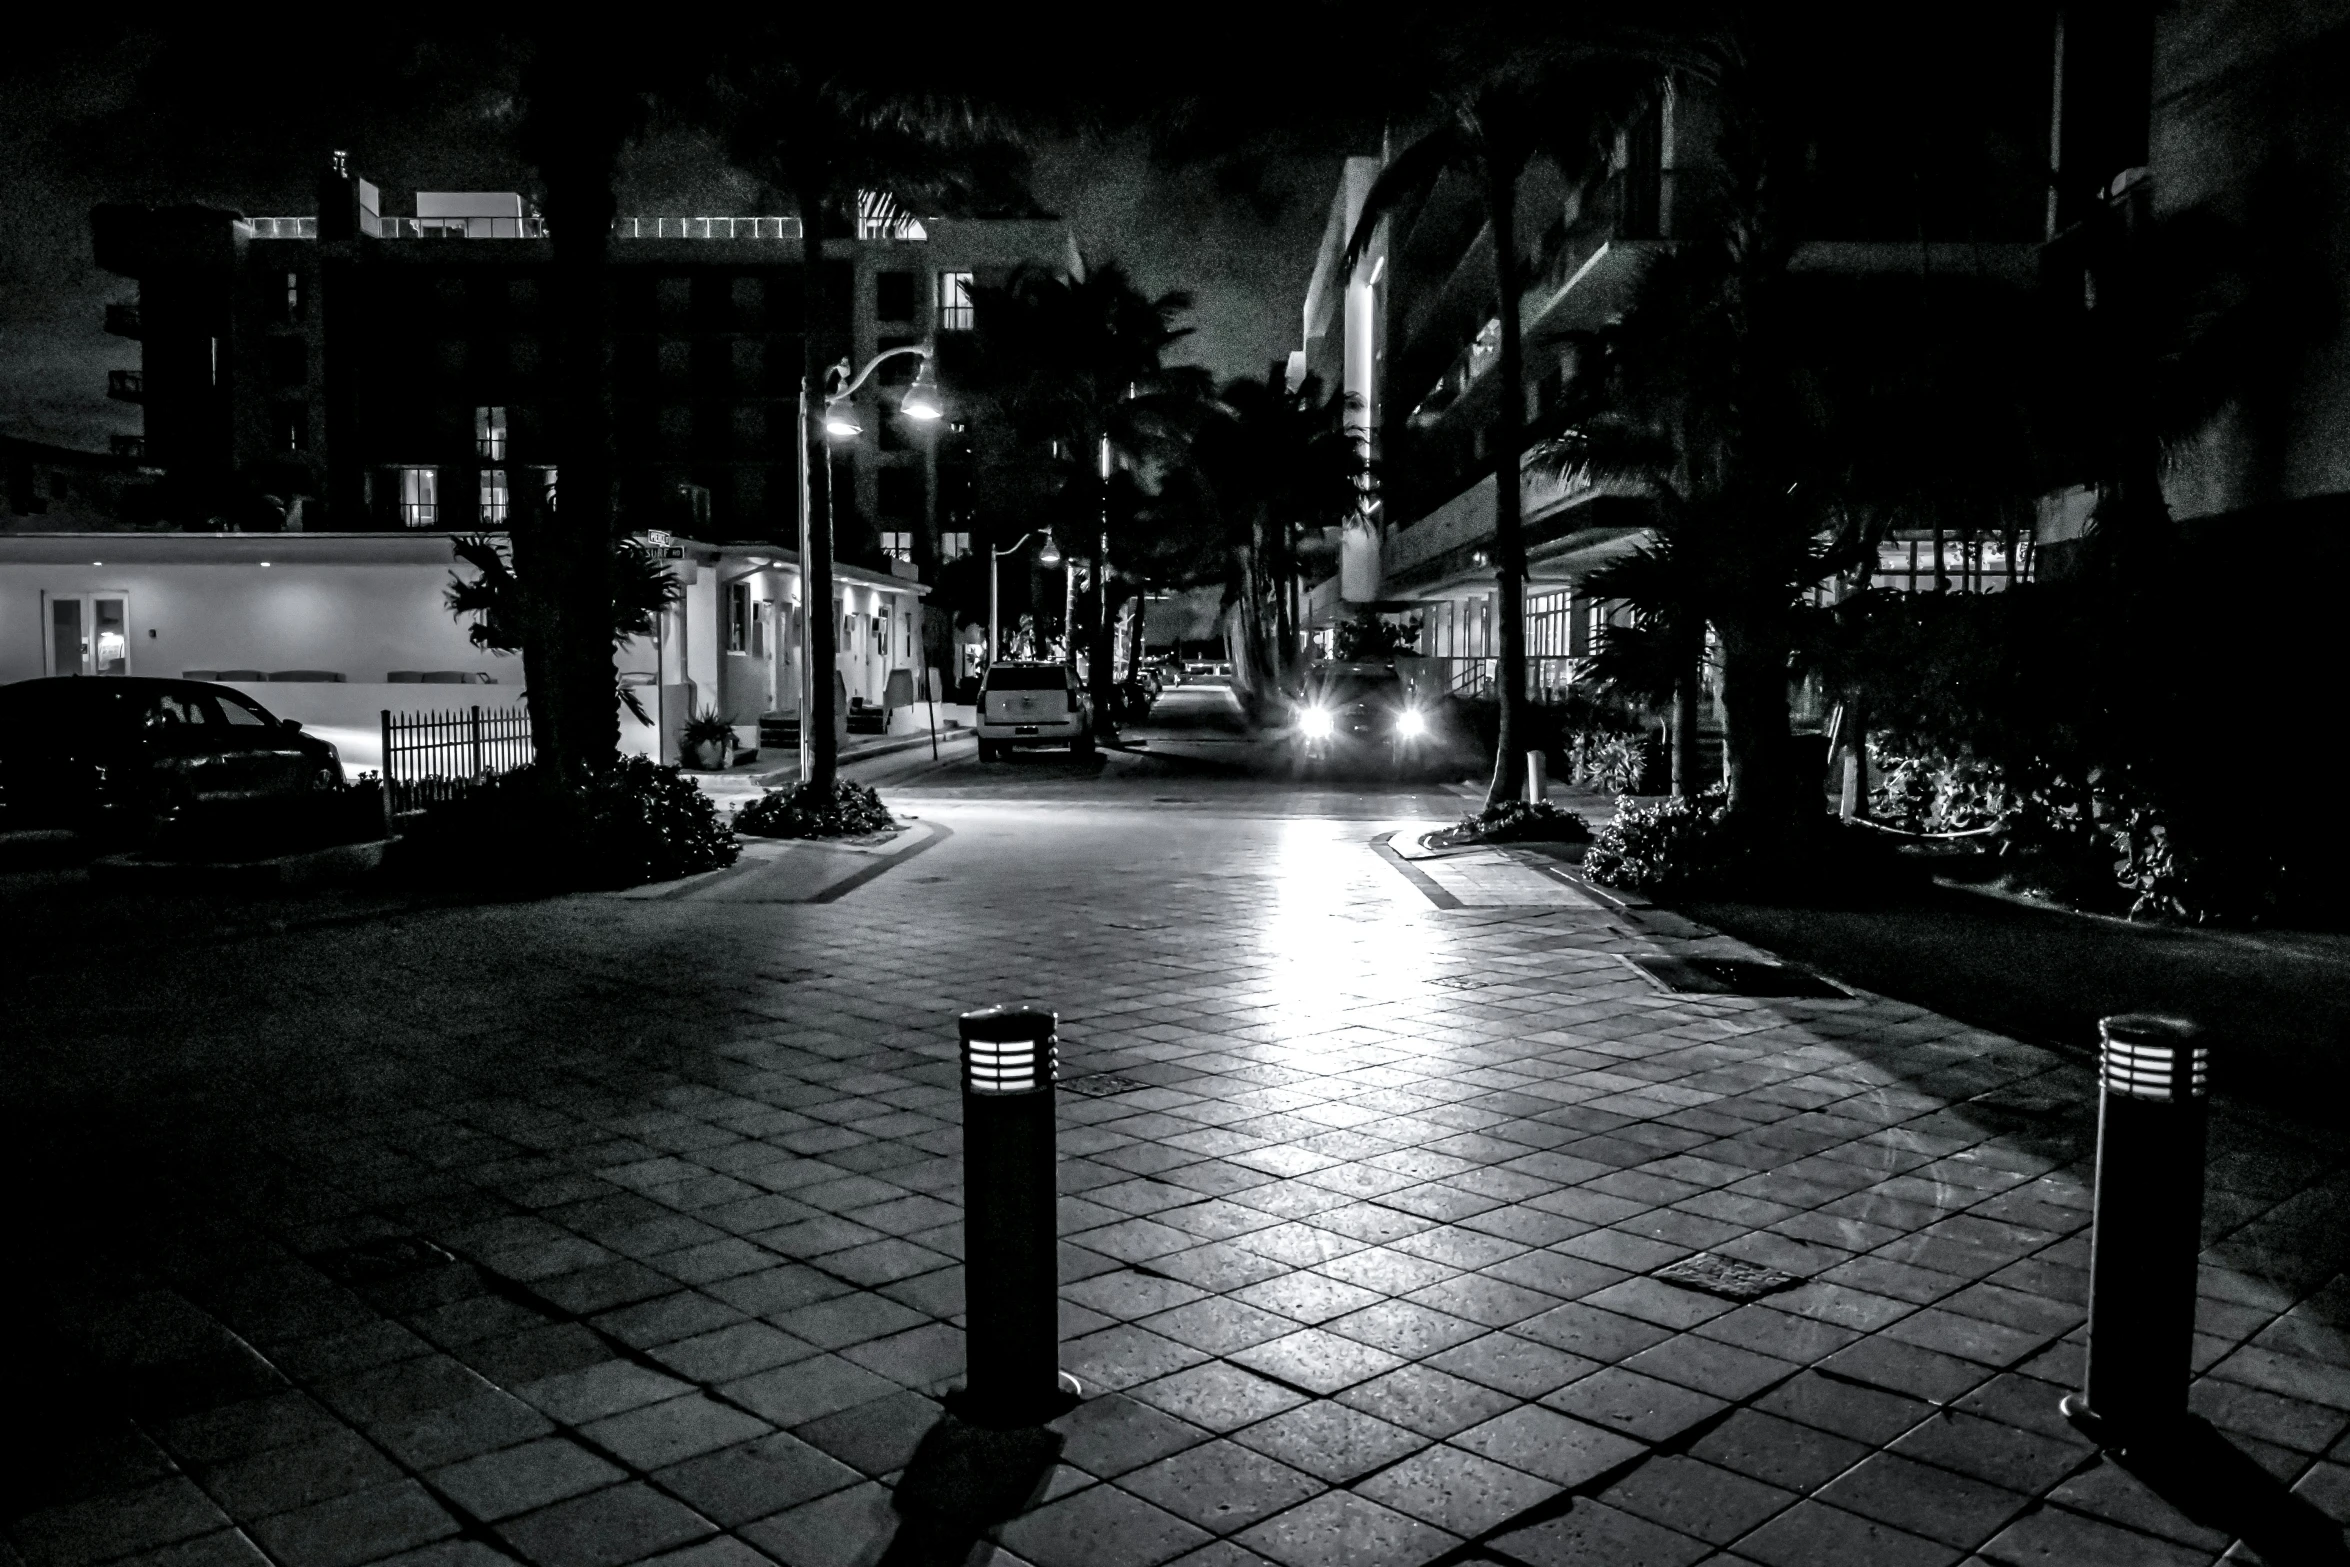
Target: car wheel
point(1081, 746)
point(987, 750)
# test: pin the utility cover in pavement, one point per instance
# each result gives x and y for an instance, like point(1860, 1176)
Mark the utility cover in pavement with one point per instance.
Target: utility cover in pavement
point(1734, 977)
point(1727, 1277)
point(1099, 1085)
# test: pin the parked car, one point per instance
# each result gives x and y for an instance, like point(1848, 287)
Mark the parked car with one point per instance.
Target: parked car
point(1207, 671)
point(1032, 703)
point(1360, 716)
point(131, 758)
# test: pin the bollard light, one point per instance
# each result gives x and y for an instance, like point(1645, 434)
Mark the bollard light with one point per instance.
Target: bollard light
point(1011, 1285)
point(2154, 1082)
point(1537, 777)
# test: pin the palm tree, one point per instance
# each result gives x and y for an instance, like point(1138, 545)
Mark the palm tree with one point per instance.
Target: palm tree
point(1072, 364)
point(840, 145)
point(1277, 462)
point(582, 102)
point(1559, 101)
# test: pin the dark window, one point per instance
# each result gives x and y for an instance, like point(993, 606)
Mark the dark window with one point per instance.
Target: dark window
point(293, 429)
point(902, 494)
point(893, 296)
point(899, 371)
point(287, 359)
point(1027, 677)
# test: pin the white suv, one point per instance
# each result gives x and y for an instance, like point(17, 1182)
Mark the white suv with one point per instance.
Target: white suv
point(1032, 704)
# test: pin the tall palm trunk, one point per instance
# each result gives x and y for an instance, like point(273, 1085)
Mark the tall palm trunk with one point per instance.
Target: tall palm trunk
point(1754, 722)
point(1685, 731)
point(570, 551)
point(1509, 534)
point(819, 723)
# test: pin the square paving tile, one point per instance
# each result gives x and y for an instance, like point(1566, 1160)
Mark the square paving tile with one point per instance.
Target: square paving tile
point(517, 1479)
point(1638, 1406)
point(1100, 1526)
point(1813, 1534)
point(1698, 1498)
point(1318, 1361)
point(1345, 1529)
point(1219, 1325)
point(1924, 1500)
point(1423, 1399)
point(808, 1390)
point(1404, 1329)
point(1457, 1491)
point(1221, 1487)
point(1592, 1531)
point(1513, 1365)
point(1331, 1441)
point(756, 1479)
point(1779, 1452)
point(877, 1437)
point(363, 1526)
point(1218, 1396)
point(1109, 1435)
point(1545, 1443)
point(661, 1434)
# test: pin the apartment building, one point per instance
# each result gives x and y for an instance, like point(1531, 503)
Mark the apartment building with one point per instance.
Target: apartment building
point(1954, 190)
point(393, 369)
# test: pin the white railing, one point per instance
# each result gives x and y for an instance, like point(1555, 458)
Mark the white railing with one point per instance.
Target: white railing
point(706, 228)
point(281, 228)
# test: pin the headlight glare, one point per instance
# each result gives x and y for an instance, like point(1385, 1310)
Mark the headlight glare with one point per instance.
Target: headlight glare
point(1410, 724)
point(1314, 724)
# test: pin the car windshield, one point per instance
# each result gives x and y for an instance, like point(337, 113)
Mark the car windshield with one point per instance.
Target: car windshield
point(237, 710)
point(1350, 688)
point(1027, 677)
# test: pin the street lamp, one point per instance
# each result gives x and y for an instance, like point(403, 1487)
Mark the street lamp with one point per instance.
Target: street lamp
point(1048, 558)
point(920, 403)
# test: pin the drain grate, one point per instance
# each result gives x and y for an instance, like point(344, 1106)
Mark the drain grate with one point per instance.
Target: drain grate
point(1099, 1085)
point(1727, 1277)
point(1734, 977)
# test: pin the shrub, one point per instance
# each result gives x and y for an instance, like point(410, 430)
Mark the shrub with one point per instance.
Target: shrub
point(1610, 761)
point(707, 728)
point(1930, 792)
point(850, 810)
point(1517, 821)
point(1676, 845)
point(633, 822)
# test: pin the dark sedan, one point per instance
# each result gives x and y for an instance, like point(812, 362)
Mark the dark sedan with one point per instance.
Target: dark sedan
point(129, 758)
point(1363, 717)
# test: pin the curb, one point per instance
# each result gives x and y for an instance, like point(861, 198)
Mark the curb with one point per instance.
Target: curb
point(337, 863)
point(862, 753)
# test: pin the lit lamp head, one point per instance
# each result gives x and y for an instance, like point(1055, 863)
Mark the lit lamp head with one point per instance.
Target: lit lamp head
point(921, 400)
point(1050, 556)
point(840, 418)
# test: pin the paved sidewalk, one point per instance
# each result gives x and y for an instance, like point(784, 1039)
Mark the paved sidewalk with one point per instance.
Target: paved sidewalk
point(600, 1230)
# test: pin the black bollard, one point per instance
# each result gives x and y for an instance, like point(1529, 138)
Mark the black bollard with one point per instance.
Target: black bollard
point(1011, 1284)
point(2155, 1083)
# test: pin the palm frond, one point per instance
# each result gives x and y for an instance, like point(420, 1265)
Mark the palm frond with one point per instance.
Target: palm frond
point(1409, 176)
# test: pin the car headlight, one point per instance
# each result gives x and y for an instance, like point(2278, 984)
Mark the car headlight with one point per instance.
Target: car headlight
point(1314, 724)
point(1410, 724)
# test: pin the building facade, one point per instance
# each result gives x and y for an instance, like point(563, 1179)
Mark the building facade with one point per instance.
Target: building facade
point(1957, 191)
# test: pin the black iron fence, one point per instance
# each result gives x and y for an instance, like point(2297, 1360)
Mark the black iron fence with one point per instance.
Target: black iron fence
point(430, 757)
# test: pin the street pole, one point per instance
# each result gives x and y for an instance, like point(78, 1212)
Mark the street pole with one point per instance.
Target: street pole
point(995, 645)
point(807, 629)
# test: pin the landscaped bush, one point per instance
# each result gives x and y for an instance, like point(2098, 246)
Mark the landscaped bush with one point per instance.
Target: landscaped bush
point(1609, 761)
point(850, 810)
point(1521, 821)
point(631, 823)
point(1930, 792)
point(1677, 845)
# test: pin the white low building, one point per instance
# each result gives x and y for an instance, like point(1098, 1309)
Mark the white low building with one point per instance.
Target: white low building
point(335, 629)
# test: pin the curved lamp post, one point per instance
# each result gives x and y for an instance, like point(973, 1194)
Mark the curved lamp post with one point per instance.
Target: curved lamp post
point(921, 403)
point(1048, 558)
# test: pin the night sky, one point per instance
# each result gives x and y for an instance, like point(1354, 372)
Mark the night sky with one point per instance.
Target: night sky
point(83, 121)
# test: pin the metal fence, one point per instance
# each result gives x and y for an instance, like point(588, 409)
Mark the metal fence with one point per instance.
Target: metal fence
point(430, 757)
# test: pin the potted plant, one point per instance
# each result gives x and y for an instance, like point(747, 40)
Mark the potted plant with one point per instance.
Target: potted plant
point(708, 741)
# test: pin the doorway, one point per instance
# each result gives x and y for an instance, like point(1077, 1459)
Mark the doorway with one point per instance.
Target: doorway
point(89, 633)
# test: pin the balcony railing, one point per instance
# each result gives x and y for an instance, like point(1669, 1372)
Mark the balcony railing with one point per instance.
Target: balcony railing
point(706, 228)
point(461, 228)
point(123, 320)
point(126, 386)
point(282, 228)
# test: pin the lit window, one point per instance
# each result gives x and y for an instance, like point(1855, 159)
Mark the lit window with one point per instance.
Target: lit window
point(954, 546)
point(493, 497)
point(738, 617)
point(489, 434)
point(419, 497)
point(955, 313)
point(898, 546)
point(293, 296)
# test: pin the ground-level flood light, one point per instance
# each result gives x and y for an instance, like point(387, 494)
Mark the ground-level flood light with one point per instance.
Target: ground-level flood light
point(1411, 725)
point(1315, 724)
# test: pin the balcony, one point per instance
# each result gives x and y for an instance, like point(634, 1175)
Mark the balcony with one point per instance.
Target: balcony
point(126, 386)
point(123, 320)
point(280, 228)
point(706, 228)
point(461, 228)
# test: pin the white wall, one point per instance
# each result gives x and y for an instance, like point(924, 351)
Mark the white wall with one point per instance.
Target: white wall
point(363, 620)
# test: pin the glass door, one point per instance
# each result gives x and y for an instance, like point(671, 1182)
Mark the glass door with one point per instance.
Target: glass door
point(89, 634)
